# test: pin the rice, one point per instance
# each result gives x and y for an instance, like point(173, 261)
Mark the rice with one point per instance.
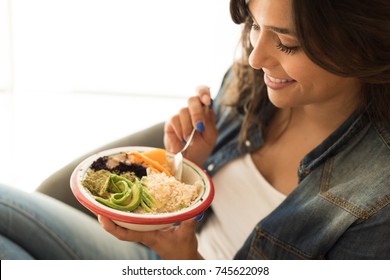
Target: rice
point(170, 194)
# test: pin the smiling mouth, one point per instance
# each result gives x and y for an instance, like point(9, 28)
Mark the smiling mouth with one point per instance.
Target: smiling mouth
point(277, 84)
point(279, 81)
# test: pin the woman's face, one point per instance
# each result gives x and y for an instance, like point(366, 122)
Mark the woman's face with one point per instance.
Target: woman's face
point(292, 79)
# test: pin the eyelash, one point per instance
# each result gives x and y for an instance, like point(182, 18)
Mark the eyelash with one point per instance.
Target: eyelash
point(279, 46)
point(285, 49)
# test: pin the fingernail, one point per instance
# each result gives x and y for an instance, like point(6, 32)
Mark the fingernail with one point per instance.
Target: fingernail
point(199, 217)
point(200, 126)
point(211, 105)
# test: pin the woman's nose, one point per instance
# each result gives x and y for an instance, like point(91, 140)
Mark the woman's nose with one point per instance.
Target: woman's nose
point(262, 55)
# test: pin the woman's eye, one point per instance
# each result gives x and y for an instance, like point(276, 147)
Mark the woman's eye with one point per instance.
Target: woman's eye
point(286, 49)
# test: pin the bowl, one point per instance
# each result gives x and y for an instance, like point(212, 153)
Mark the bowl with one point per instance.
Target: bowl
point(144, 221)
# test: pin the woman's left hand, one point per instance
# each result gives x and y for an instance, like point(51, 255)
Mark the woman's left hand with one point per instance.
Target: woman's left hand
point(198, 114)
point(175, 243)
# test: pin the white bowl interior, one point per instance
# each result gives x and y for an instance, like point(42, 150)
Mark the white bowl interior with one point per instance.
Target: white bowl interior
point(191, 174)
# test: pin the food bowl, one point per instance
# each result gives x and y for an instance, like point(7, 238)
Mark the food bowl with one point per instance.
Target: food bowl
point(144, 221)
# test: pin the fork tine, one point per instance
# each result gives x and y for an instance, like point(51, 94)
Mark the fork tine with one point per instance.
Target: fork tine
point(178, 158)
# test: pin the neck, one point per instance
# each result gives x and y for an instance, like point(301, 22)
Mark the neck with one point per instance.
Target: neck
point(308, 121)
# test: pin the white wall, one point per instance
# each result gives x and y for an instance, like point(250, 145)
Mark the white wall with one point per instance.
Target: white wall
point(74, 64)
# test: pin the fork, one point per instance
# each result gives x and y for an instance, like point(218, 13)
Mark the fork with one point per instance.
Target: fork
point(178, 158)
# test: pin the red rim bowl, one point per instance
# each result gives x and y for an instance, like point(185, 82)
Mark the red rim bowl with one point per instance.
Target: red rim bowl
point(191, 173)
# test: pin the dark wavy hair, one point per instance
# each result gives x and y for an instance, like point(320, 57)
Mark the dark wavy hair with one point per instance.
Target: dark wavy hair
point(346, 37)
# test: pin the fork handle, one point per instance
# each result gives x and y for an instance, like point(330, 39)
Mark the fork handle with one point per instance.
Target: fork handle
point(189, 140)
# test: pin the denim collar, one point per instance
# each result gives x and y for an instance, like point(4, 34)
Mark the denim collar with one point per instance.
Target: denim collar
point(355, 124)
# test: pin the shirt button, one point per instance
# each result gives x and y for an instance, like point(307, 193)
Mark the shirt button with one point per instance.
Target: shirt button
point(210, 167)
point(248, 143)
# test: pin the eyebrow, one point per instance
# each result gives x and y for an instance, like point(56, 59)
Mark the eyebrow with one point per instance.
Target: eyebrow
point(284, 31)
point(279, 30)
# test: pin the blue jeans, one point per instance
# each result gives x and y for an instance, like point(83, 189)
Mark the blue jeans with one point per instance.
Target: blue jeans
point(35, 226)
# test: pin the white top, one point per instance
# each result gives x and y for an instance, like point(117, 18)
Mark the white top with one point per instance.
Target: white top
point(242, 198)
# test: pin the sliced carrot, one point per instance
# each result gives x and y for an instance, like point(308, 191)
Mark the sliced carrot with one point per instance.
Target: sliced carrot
point(141, 158)
point(159, 155)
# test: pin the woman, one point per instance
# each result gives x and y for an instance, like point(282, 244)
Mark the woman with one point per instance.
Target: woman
point(297, 143)
point(310, 108)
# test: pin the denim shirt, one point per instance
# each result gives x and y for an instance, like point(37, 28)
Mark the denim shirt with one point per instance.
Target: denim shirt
point(340, 207)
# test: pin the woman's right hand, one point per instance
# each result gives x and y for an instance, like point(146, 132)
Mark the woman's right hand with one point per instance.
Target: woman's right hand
point(198, 114)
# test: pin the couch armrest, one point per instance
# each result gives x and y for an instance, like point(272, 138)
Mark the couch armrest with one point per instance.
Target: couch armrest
point(57, 184)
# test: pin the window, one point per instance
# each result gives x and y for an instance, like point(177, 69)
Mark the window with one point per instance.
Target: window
point(82, 73)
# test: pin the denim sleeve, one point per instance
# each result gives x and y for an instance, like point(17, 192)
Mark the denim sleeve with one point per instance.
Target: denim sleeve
point(361, 242)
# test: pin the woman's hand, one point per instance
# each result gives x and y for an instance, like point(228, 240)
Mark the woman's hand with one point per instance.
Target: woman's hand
point(198, 114)
point(176, 243)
